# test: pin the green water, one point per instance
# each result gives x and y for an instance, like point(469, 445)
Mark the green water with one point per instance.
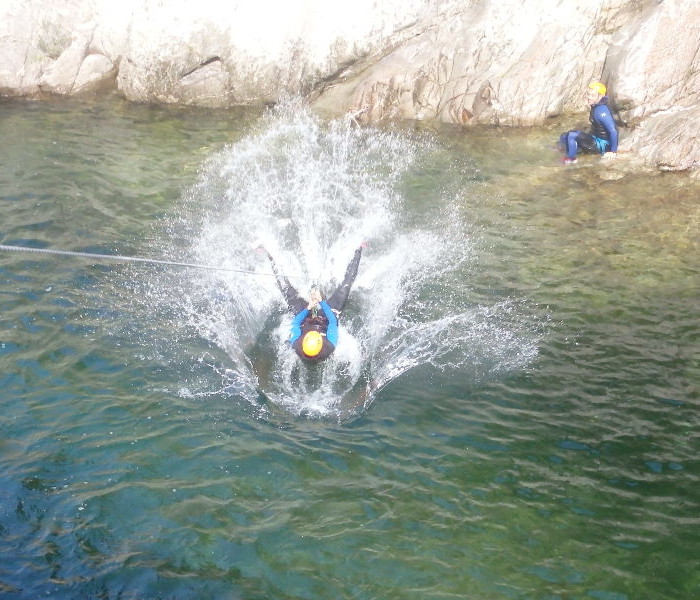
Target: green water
point(128, 470)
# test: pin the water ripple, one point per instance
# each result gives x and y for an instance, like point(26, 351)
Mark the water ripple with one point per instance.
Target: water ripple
point(553, 456)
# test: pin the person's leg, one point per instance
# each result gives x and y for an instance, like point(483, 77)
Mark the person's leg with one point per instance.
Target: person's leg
point(587, 143)
point(571, 143)
point(340, 296)
point(291, 296)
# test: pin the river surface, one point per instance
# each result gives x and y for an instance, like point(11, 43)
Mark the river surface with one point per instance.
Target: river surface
point(511, 412)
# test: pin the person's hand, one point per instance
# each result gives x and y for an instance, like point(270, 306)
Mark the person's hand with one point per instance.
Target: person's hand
point(364, 245)
point(610, 156)
point(314, 298)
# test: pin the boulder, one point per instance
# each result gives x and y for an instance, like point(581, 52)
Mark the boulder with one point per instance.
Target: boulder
point(666, 140)
point(96, 73)
point(41, 44)
point(206, 85)
point(489, 62)
point(60, 75)
point(655, 76)
point(503, 62)
point(246, 52)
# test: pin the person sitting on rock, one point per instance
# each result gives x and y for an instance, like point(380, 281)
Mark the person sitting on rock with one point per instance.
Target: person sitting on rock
point(314, 332)
point(603, 136)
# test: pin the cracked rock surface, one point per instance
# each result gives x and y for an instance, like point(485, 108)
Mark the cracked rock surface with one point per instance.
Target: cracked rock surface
point(504, 62)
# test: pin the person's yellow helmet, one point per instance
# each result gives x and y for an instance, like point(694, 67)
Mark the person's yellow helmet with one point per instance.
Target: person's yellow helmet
point(312, 343)
point(598, 87)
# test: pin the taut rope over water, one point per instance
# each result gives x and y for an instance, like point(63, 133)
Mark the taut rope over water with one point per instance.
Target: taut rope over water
point(121, 258)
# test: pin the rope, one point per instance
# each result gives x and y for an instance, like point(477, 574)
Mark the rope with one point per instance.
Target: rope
point(118, 257)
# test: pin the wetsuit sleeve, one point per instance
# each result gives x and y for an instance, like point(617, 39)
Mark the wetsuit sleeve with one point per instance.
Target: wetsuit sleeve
point(604, 116)
point(332, 331)
point(340, 296)
point(296, 325)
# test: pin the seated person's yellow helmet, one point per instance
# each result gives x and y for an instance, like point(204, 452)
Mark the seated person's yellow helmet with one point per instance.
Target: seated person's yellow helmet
point(598, 87)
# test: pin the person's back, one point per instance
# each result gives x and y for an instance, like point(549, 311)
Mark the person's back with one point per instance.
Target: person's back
point(314, 331)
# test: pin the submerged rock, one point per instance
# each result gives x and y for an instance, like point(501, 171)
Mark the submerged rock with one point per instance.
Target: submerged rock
point(468, 62)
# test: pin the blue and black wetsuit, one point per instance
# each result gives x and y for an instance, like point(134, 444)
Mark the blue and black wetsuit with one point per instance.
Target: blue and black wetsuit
point(324, 320)
point(601, 139)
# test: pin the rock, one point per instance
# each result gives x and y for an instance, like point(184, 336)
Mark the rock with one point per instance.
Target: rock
point(471, 62)
point(96, 73)
point(666, 139)
point(658, 95)
point(490, 62)
point(263, 51)
point(41, 43)
point(59, 77)
point(650, 66)
point(206, 85)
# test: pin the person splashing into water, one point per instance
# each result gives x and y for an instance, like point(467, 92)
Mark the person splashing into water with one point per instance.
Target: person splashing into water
point(314, 333)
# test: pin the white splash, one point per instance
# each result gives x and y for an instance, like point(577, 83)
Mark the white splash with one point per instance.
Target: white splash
point(310, 192)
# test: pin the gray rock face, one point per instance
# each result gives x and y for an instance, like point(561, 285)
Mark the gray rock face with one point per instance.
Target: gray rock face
point(503, 62)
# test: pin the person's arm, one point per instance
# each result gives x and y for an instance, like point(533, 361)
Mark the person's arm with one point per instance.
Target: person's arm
point(296, 325)
point(604, 117)
point(332, 331)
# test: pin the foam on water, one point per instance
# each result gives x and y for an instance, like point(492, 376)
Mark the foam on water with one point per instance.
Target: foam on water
point(311, 192)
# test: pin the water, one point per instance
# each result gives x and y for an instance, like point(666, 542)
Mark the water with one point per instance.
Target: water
point(310, 194)
point(511, 411)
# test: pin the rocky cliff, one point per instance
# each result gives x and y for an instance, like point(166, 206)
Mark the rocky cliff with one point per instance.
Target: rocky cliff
point(508, 62)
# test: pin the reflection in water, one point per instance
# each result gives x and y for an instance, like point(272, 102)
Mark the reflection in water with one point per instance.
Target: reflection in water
point(310, 193)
